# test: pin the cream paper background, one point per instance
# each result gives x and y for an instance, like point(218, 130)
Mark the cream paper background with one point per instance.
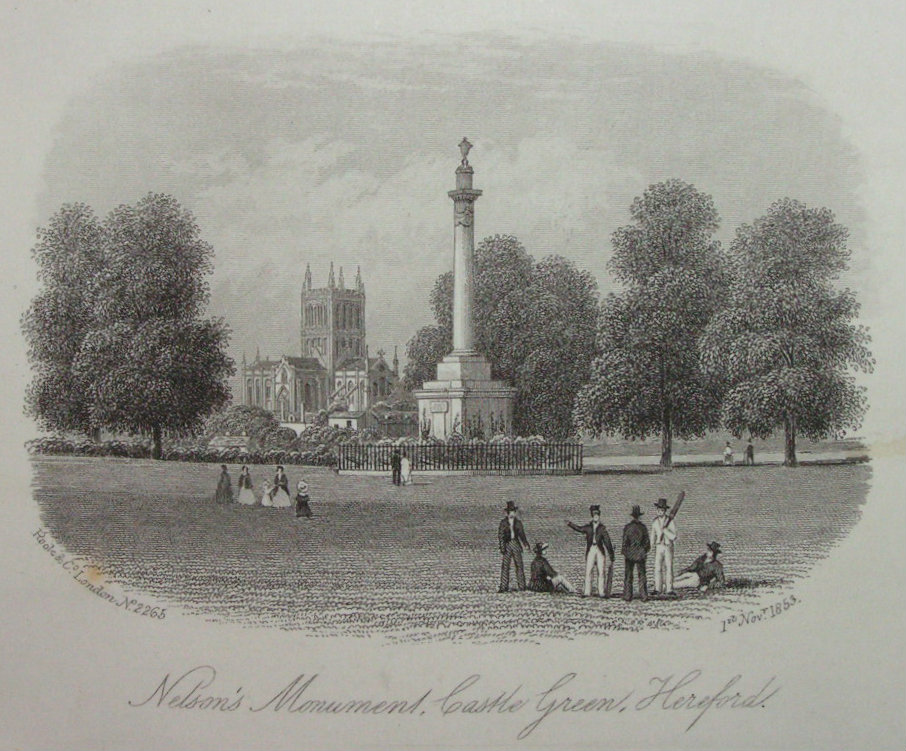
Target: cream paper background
point(69, 662)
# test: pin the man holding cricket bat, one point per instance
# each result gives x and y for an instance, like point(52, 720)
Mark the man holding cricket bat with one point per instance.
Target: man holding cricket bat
point(663, 534)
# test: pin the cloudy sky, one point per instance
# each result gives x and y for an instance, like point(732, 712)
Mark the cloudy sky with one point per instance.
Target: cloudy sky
point(326, 150)
point(326, 130)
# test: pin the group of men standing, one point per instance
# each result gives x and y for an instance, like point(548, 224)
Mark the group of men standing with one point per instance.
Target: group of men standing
point(599, 553)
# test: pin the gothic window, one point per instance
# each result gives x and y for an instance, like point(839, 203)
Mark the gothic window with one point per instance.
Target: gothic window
point(257, 393)
point(307, 398)
point(267, 391)
point(248, 391)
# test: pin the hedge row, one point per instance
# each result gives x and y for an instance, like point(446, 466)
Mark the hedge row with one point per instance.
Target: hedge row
point(319, 456)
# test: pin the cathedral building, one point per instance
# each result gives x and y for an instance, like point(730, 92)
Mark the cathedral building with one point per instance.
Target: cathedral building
point(334, 372)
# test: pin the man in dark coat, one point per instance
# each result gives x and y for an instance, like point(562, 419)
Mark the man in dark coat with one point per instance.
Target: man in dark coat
point(636, 545)
point(706, 572)
point(598, 552)
point(396, 466)
point(224, 492)
point(544, 578)
point(511, 538)
point(750, 454)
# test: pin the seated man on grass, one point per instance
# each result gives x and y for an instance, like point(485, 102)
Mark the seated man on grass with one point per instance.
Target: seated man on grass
point(544, 578)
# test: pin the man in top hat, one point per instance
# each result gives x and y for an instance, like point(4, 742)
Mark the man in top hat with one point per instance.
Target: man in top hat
point(598, 552)
point(636, 545)
point(705, 572)
point(663, 533)
point(544, 578)
point(511, 538)
point(396, 466)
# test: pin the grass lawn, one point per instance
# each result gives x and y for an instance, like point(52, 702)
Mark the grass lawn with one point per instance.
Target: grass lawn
point(421, 562)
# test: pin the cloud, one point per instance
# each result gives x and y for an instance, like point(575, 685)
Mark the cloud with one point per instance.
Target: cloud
point(344, 152)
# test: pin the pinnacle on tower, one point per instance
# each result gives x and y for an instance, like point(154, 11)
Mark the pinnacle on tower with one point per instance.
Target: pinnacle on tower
point(342, 283)
point(307, 282)
point(330, 280)
point(396, 361)
point(358, 279)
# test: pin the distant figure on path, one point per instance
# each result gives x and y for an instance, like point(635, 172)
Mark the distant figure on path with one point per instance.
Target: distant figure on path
point(636, 545)
point(302, 499)
point(511, 538)
point(246, 494)
point(405, 470)
point(705, 572)
point(750, 454)
point(224, 492)
point(396, 465)
point(598, 552)
point(280, 490)
point(728, 455)
point(663, 532)
point(544, 578)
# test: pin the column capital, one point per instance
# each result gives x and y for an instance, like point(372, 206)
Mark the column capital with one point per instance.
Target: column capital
point(464, 194)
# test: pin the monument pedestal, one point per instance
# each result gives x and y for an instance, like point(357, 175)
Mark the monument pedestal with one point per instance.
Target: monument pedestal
point(465, 399)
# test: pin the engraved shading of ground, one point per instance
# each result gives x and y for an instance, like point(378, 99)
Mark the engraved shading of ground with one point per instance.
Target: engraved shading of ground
point(421, 562)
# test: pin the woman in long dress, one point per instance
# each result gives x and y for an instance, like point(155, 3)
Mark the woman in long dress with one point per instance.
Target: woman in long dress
point(405, 470)
point(246, 495)
point(224, 492)
point(266, 492)
point(280, 490)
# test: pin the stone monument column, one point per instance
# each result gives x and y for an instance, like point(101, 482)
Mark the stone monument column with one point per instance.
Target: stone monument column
point(464, 398)
point(464, 198)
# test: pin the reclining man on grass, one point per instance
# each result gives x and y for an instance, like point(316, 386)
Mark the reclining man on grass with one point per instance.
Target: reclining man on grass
point(544, 578)
point(706, 572)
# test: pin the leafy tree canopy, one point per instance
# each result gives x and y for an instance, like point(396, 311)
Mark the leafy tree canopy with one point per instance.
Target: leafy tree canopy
point(115, 334)
point(788, 342)
point(647, 378)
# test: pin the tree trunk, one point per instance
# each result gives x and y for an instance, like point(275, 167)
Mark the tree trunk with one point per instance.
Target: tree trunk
point(156, 450)
point(789, 454)
point(667, 440)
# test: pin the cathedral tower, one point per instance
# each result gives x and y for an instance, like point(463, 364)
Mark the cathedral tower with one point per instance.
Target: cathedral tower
point(333, 321)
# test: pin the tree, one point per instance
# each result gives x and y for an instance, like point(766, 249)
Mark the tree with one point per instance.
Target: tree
point(561, 318)
point(647, 379)
point(69, 252)
point(235, 420)
point(423, 351)
point(533, 322)
point(142, 359)
point(787, 343)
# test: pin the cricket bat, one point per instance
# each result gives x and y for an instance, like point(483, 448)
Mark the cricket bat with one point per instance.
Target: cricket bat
point(676, 506)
